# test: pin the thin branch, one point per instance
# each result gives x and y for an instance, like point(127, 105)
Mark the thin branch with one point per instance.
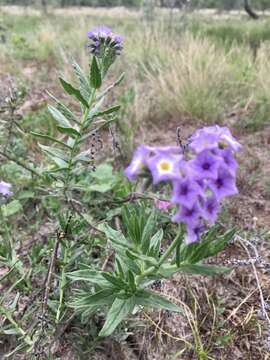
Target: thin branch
point(244, 243)
point(18, 162)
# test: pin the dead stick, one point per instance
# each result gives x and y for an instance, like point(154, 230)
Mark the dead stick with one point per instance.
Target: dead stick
point(49, 273)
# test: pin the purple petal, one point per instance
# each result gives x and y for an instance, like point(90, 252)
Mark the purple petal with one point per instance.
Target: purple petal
point(5, 188)
point(224, 185)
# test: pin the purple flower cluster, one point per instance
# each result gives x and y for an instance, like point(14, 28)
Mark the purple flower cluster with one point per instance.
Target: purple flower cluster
point(200, 178)
point(103, 38)
point(5, 188)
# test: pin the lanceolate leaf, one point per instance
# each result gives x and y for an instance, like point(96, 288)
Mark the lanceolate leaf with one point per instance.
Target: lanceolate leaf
point(203, 269)
point(113, 235)
point(148, 231)
point(108, 111)
point(59, 117)
point(119, 283)
point(47, 137)
point(73, 91)
point(152, 300)
point(69, 131)
point(54, 152)
point(155, 243)
point(95, 74)
point(118, 311)
point(84, 84)
point(133, 255)
point(100, 298)
point(92, 276)
point(64, 110)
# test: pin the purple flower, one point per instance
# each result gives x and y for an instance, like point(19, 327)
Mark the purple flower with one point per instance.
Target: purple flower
point(99, 32)
point(203, 140)
point(173, 150)
point(210, 137)
point(229, 161)
point(185, 192)
point(224, 184)
point(187, 215)
point(103, 38)
point(206, 165)
point(210, 209)
point(164, 167)
point(162, 205)
point(194, 232)
point(5, 188)
point(138, 162)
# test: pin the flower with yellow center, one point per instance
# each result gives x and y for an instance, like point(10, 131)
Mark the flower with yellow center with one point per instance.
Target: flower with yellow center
point(164, 167)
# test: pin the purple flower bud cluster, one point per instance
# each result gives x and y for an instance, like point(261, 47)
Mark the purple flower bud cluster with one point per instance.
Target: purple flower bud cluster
point(200, 178)
point(5, 189)
point(103, 38)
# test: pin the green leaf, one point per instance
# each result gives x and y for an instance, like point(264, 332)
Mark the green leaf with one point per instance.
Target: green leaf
point(100, 298)
point(92, 276)
point(84, 84)
point(108, 111)
point(59, 117)
point(95, 74)
point(117, 313)
point(119, 267)
point(131, 281)
point(74, 92)
point(168, 270)
point(155, 243)
point(54, 152)
point(133, 255)
point(64, 109)
point(47, 137)
point(113, 235)
point(69, 131)
point(147, 232)
point(92, 113)
point(150, 299)
point(25, 194)
point(210, 245)
point(11, 208)
point(203, 269)
point(118, 282)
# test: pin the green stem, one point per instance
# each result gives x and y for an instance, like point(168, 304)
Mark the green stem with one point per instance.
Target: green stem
point(78, 138)
point(26, 337)
point(9, 241)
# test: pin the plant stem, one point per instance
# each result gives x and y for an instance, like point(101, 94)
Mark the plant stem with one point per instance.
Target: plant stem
point(78, 138)
point(171, 247)
point(26, 337)
point(7, 237)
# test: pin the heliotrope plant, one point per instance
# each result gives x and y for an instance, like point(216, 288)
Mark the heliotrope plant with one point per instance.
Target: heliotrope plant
point(199, 178)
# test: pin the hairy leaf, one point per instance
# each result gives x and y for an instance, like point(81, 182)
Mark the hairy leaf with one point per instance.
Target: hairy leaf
point(117, 313)
point(95, 74)
point(71, 90)
point(150, 299)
